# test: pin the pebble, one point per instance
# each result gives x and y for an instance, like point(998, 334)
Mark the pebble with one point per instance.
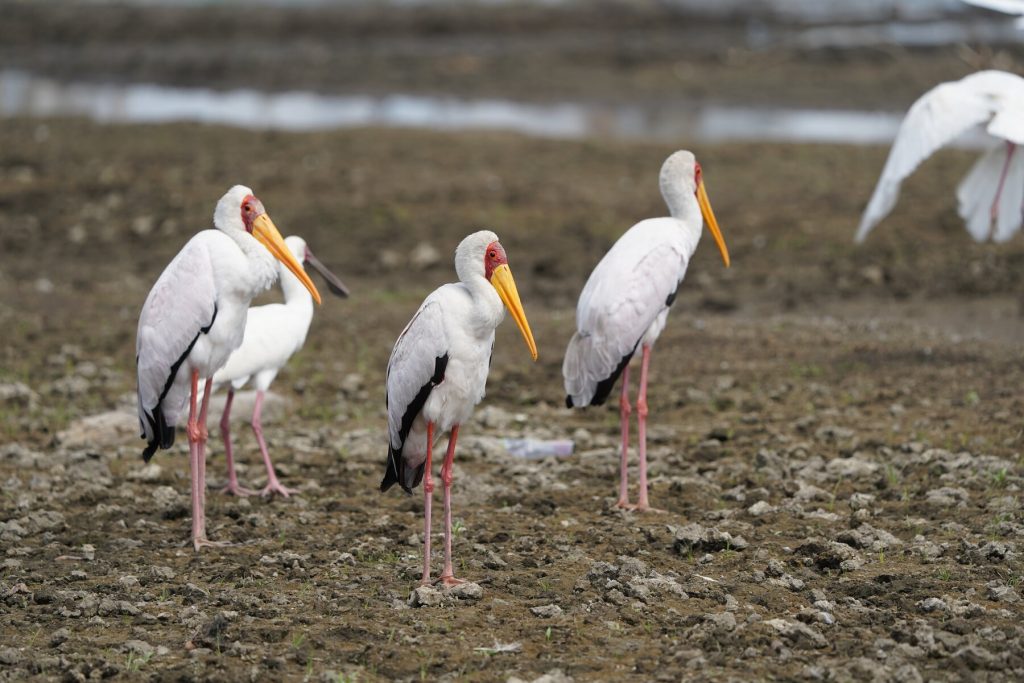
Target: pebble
point(546, 611)
point(425, 596)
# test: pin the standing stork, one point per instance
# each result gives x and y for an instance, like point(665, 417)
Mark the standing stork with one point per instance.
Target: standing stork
point(273, 334)
point(626, 300)
point(194, 317)
point(991, 195)
point(437, 373)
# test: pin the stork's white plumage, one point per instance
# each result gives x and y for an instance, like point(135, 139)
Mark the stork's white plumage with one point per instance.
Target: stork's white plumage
point(438, 370)
point(991, 196)
point(625, 304)
point(192, 320)
point(1011, 7)
point(273, 334)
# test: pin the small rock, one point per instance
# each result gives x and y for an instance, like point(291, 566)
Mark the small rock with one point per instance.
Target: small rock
point(161, 572)
point(799, 635)
point(139, 647)
point(10, 656)
point(424, 256)
point(1002, 593)
point(425, 596)
point(932, 605)
point(760, 508)
point(546, 611)
point(465, 591)
point(61, 635)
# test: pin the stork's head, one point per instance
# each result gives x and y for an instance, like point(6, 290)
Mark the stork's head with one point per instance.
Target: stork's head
point(682, 173)
point(481, 256)
point(303, 254)
point(240, 211)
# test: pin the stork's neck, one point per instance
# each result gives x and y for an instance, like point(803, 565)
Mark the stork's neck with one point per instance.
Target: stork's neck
point(682, 204)
point(488, 310)
point(296, 296)
point(262, 272)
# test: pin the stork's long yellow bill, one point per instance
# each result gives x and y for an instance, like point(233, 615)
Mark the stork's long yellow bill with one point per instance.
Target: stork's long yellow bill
point(503, 281)
point(266, 232)
point(709, 218)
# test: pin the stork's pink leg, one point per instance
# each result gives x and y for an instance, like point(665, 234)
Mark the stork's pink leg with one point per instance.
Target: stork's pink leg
point(273, 485)
point(192, 429)
point(641, 410)
point(203, 435)
point(233, 488)
point(448, 575)
point(624, 411)
point(994, 211)
point(428, 498)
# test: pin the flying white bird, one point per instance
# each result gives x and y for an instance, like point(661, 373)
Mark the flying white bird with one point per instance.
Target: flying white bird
point(194, 317)
point(626, 300)
point(273, 333)
point(438, 372)
point(1014, 7)
point(991, 196)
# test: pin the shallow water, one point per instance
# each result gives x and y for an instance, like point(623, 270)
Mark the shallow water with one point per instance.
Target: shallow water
point(25, 95)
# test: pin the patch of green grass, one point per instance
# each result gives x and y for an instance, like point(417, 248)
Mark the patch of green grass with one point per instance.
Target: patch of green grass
point(133, 663)
point(999, 478)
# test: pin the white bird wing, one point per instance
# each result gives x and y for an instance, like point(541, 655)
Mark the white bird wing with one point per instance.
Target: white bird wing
point(936, 119)
point(1004, 6)
point(181, 306)
point(977, 192)
point(634, 283)
point(416, 366)
point(271, 337)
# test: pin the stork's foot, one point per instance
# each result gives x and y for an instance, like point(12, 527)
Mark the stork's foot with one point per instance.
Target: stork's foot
point(449, 580)
point(236, 489)
point(275, 487)
point(203, 542)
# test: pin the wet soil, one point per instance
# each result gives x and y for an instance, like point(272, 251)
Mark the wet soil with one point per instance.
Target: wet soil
point(835, 437)
point(835, 431)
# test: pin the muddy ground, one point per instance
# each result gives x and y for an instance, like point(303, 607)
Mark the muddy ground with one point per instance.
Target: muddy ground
point(836, 430)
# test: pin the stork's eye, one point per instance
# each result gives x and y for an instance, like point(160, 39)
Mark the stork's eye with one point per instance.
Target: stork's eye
point(492, 254)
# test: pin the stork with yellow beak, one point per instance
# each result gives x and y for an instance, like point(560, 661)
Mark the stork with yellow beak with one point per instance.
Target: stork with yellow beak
point(438, 372)
point(625, 304)
point(194, 318)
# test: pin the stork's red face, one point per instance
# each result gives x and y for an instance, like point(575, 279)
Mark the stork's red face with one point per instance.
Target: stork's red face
point(252, 209)
point(494, 256)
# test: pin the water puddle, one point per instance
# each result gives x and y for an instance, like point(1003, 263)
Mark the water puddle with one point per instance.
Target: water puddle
point(25, 95)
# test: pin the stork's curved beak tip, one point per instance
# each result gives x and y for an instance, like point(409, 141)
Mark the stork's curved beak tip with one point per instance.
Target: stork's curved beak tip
point(264, 230)
point(505, 284)
point(709, 218)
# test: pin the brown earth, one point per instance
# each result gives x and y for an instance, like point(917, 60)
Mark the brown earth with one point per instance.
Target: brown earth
point(835, 430)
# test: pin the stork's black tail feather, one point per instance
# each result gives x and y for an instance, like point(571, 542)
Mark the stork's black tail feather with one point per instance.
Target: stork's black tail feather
point(163, 433)
point(397, 473)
